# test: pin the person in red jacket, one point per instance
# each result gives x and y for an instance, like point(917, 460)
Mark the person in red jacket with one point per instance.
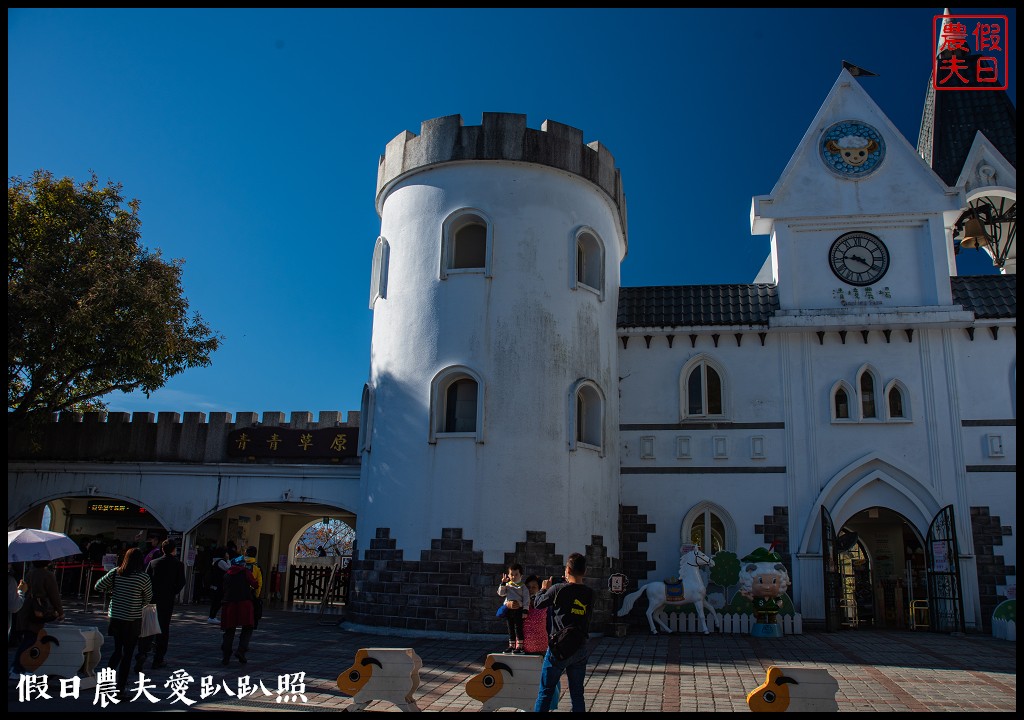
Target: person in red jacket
point(237, 610)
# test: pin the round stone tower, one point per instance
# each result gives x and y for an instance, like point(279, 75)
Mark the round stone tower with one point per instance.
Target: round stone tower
point(490, 416)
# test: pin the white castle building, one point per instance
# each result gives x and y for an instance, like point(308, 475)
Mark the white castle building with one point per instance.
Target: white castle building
point(854, 406)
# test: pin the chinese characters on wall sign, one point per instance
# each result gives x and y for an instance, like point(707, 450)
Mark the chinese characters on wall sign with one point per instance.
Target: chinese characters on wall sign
point(279, 442)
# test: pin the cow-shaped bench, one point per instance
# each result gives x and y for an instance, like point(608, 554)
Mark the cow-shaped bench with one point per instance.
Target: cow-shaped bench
point(792, 689)
point(507, 681)
point(390, 674)
point(64, 651)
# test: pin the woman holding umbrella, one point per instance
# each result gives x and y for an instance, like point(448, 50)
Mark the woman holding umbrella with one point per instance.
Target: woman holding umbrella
point(42, 583)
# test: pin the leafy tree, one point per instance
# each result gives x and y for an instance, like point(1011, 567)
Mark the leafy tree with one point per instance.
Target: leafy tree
point(335, 536)
point(89, 310)
point(726, 571)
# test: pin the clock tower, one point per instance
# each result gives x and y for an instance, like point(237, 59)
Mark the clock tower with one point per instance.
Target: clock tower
point(858, 221)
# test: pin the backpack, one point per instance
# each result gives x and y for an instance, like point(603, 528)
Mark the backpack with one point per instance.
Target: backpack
point(566, 641)
point(42, 610)
point(563, 643)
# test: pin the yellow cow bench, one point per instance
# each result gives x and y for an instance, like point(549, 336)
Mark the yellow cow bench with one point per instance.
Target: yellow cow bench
point(795, 690)
point(507, 681)
point(390, 674)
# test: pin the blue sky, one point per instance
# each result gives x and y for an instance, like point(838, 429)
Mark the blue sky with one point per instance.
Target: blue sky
point(251, 138)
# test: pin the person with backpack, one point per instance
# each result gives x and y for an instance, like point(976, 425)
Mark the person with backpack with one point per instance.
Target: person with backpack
point(257, 594)
point(42, 600)
point(215, 582)
point(571, 609)
point(239, 585)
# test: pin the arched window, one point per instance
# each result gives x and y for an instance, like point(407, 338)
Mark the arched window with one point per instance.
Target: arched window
point(379, 271)
point(456, 400)
point(586, 416)
point(589, 265)
point(470, 245)
point(460, 406)
point(708, 526)
point(702, 389)
point(47, 519)
point(897, 402)
point(366, 418)
point(868, 405)
point(466, 243)
point(840, 402)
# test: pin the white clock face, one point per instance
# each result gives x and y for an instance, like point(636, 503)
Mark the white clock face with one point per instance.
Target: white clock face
point(859, 258)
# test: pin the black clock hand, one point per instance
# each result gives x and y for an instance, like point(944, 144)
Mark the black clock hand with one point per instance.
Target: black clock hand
point(858, 259)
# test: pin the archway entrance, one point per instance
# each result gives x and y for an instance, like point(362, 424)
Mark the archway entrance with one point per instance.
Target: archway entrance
point(272, 528)
point(882, 563)
point(881, 573)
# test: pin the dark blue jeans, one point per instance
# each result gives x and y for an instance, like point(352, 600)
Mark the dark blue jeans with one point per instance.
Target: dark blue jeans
point(575, 669)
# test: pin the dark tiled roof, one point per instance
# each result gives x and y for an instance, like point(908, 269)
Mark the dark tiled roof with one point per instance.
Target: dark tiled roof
point(951, 119)
point(989, 296)
point(695, 305)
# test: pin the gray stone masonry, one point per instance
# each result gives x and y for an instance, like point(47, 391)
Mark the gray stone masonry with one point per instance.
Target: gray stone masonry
point(451, 589)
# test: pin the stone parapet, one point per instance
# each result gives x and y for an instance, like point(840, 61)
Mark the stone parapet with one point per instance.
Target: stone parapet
point(167, 437)
point(501, 136)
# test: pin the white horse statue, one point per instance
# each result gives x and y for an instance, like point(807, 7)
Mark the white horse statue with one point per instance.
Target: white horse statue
point(694, 591)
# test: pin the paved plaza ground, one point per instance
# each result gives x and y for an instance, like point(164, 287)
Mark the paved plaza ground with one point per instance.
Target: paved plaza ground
point(877, 670)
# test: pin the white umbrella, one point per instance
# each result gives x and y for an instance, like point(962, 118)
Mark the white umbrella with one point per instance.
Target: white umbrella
point(27, 545)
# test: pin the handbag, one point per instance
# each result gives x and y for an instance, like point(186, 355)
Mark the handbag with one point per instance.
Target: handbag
point(566, 641)
point(43, 610)
point(150, 622)
point(501, 611)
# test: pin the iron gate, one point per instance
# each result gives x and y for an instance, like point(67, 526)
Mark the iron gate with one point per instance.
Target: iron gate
point(945, 601)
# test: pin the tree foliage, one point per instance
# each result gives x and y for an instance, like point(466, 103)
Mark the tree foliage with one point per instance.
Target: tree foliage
point(726, 571)
point(89, 309)
point(335, 536)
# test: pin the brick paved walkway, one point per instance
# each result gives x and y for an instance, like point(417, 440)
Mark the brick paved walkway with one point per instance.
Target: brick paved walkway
point(876, 670)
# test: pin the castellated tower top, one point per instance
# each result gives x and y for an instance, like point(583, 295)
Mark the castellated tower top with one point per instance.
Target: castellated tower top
point(501, 136)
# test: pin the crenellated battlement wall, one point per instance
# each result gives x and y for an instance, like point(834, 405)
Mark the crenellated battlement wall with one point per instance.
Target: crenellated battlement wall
point(167, 437)
point(501, 136)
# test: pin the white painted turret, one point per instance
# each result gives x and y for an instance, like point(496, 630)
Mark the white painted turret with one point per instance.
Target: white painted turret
point(497, 266)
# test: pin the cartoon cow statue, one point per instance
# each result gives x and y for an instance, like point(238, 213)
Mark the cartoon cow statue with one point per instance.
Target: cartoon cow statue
point(795, 690)
point(763, 581)
point(507, 681)
point(390, 674)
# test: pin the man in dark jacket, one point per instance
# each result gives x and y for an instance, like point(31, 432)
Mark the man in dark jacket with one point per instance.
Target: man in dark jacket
point(167, 574)
point(572, 604)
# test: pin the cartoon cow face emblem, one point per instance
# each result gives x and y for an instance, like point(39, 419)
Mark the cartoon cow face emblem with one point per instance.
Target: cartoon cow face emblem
point(855, 153)
point(32, 657)
point(852, 149)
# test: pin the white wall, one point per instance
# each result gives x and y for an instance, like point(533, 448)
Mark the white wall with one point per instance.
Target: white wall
point(529, 337)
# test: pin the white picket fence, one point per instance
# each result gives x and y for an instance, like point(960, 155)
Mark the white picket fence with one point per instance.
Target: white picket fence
point(1004, 630)
point(728, 624)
